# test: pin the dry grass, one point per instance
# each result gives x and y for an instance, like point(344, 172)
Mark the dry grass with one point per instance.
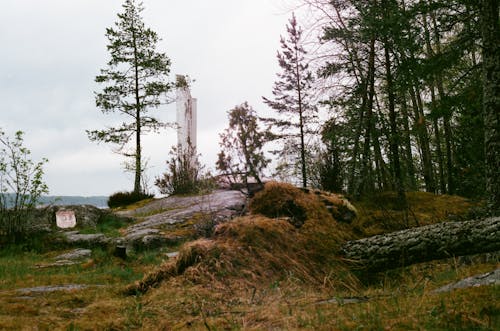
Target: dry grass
point(380, 213)
point(262, 273)
point(285, 200)
point(403, 301)
point(256, 249)
point(135, 205)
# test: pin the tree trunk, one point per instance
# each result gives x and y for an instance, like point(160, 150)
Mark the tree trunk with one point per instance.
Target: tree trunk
point(369, 118)
point(439, 152)
point(430, 53)
point(301, 120)
point(448, 114)
point(449, 155)
point(357, 69)
point(410, 167)
point(490, 32)
point(351, 184)
point(394, 136)
point(381, 167)
point(427, 243)
point(138, 163)
point(423, 139)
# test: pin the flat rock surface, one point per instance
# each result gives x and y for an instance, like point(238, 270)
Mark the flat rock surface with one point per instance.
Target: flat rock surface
point(53, 288)
point(151, 227)
point(73, 257)
point(345, 301)
point(171, 210)
point(76, 254)
point(74, 237)
point(490, 278)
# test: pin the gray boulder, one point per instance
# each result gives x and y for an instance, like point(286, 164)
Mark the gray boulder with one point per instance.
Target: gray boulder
point(489, 278)
point(87, 240)
point(76, 254)
point(87, 216)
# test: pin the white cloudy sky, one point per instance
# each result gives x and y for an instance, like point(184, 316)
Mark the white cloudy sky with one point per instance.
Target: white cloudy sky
point(53, 49)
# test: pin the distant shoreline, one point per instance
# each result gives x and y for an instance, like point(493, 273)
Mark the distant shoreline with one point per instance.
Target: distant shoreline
point(97, 201)
point(63, 200)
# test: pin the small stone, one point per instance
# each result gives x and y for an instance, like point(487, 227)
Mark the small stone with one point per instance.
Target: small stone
point(120, 251)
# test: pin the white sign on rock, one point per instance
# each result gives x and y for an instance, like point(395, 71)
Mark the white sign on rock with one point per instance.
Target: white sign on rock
point(65, 219)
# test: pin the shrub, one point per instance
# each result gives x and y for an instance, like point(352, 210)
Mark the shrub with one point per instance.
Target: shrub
point(121, 199)
point(242, 158)
point(21, 185)
point(184, 175)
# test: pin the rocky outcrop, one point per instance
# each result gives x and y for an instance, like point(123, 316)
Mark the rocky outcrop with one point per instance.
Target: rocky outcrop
point(157, 217)
point(74, 238)
point(338, 205)
point(425, 243)
point(489, 278)
point(76, 254)
point(148, 238)
point(70, 258)
point(87, 216)
point(171, 210)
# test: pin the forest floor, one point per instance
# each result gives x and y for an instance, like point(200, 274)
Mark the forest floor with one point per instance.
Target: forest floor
point(256, 273)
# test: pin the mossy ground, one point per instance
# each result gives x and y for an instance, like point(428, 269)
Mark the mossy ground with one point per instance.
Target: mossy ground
point(256, 273)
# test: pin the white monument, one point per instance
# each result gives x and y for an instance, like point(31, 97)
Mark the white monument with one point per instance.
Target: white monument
point(186, 115)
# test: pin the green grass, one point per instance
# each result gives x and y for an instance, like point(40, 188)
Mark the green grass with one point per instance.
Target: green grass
point(400, 299)
point(16, 265)
point(109, 225)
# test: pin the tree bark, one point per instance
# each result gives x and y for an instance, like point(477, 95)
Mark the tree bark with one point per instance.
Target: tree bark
point(430, 53)
point(427, 243)
point(138, 161)
point(490, 33)
point(394, 136)
point(446, 117)
point(423, 139)
point(410, 167)
point(365, 165)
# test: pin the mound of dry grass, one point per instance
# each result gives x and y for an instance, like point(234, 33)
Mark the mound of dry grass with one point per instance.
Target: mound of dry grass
point(292, 233)
point(299, 205)
point(302, 240)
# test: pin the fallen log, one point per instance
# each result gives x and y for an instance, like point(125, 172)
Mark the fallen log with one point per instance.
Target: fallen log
point(422, 244)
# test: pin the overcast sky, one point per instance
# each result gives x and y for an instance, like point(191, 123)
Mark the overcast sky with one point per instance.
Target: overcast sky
point(53, 49)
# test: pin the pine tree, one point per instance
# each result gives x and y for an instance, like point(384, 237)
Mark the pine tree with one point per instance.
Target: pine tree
point(242, 156)
point(291, 99)
point(135, 83)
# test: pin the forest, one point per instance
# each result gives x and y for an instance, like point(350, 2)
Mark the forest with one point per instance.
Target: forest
point(406, 94)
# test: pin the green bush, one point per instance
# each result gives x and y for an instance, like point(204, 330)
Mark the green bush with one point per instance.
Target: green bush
point(121, 199)
point(21, 185)
point(184, 174)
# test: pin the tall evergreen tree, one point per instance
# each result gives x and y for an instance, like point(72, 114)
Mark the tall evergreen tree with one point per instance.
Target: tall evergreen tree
point(135, 83)
point(291, 92)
